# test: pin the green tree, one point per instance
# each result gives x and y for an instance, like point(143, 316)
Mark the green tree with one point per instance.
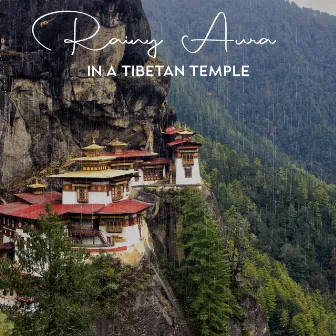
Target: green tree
point(238, 241)
point(6, 326)
point(203, 274)
point(56, 277)
point(239, 199)
point(115, 282)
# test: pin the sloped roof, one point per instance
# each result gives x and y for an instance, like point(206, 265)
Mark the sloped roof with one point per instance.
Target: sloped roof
point(158, 161)
point(184, 142)
point(132, 153)
point(77, 208)
point(124, 207)
point(26, 211)
point(172, 130)
point(32, 211)
point(96, 174)
point(7, 209)
point(39, 199)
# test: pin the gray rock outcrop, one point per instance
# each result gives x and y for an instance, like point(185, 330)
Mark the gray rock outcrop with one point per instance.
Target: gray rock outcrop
point(49, 106)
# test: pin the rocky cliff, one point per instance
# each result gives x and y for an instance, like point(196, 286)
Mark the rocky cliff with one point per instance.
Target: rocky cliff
point(49, 107)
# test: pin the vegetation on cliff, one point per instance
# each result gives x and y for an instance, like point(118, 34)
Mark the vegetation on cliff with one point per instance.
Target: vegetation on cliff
point(284, 214)
point(201, 278)
point(292, 213)
point(216, 270)
point(69, 293)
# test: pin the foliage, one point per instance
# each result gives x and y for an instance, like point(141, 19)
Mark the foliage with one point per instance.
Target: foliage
point(290, 310)
point(116, 283)
point(288, 99)
point(69, 292)
point(290, 212)
point(201, 278)
point(6, 326)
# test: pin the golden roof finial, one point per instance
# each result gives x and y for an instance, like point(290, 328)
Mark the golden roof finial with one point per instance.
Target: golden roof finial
point(93, 147)
point(185, 131)
point(37, 185)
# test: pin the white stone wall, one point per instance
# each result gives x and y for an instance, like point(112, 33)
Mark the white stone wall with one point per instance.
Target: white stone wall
point(141, 181)
point(95, 197)
point(130, 233)
point(180, 173)
point(89, 241)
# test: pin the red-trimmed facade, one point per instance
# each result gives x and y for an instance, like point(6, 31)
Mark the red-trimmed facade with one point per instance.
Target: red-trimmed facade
point(94, 201)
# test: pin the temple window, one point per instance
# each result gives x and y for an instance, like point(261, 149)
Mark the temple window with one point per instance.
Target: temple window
point(117, 193)
point(153, 174)
point(82, 195)
point(109, 240)
point(188, 159)
point(188, 172)
point(114, 225)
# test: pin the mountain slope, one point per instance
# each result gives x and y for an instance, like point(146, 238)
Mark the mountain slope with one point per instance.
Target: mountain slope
point(289, 97)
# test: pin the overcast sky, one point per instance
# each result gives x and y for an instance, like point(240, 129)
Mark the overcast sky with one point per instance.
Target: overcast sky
point(322, 5)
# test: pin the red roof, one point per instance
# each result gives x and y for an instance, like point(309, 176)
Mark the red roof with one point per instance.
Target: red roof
point(172, 130)
point(128, 154)
point(22, 210)
point(77, 208)
point(179, 142)
point(158, 161)
point(7, 209)
point(125, 207)
point(189, 147)
point(39, 199)
point(32, 211)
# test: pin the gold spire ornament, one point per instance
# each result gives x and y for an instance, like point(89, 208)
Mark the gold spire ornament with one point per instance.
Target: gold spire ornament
point(93, 149)
point(37, 188)
point(185, 132)
point(116, 146)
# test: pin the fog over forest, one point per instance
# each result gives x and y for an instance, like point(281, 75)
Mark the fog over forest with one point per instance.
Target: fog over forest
point(328, 6)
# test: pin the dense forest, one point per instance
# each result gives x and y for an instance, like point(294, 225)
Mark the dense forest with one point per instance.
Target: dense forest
point(276, 241)
point(290, 94)
point(223, 263)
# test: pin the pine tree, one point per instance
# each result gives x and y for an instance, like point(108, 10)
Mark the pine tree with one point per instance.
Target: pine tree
point(56, 277)
point(203, 274)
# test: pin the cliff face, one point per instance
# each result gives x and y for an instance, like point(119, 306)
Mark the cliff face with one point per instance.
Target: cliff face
point(49, 107)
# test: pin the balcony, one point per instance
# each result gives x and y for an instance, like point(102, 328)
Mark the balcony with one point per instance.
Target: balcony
point(83, 232)
point(188, 162)
point(114, 228)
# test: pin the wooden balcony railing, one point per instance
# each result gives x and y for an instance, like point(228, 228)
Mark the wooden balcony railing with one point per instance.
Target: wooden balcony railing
point(188, 162)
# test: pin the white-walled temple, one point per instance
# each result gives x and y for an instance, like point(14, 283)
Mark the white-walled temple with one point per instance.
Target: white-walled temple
point(95, 203)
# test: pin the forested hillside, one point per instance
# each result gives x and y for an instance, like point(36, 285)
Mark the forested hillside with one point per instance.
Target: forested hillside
point(219, 272)
point(292, 213)
point(289, 97)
